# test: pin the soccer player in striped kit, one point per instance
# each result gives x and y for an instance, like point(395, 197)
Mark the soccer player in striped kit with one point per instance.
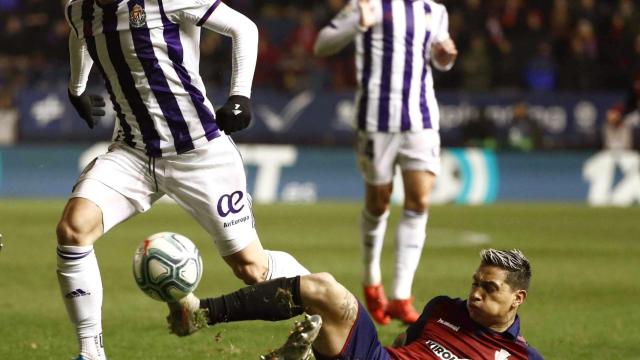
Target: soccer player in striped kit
point(397, 120)
point(168, 141)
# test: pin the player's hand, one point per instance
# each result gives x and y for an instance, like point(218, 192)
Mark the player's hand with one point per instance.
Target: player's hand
point(235, 114)
point(445, 52)
point(88, 107)
point(367, 17)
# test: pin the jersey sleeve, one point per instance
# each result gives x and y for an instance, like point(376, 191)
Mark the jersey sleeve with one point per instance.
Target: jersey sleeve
point(442, 27)
point(80, 64)
point(195, 12)
point(533, 354)
point(244, 37)
point(415, 330)
point(342, 29)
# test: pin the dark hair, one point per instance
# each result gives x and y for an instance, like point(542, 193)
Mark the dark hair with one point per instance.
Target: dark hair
point(513, 261)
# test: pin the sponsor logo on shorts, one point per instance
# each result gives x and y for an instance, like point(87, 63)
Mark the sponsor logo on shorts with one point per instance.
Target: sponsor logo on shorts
point(236, 222)
point(441, 352)
point(448, 324)
point(228, 203)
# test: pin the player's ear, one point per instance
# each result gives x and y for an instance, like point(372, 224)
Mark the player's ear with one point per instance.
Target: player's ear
point(519, 297)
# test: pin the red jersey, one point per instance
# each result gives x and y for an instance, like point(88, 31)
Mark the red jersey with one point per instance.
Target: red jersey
point(445, 331)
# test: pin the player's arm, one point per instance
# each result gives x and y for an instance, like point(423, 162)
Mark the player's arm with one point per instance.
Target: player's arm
point(235, 114)
point(357, 16)
point(88, 106)
point(443, 50)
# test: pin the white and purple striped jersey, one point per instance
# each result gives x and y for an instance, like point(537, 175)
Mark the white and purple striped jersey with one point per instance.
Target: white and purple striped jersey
point(395, 85)
point(148, 52)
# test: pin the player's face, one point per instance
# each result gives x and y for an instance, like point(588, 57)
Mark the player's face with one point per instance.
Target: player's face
point(492, 302)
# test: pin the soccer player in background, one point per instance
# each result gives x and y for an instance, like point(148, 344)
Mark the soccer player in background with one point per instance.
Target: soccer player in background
point(484, 326)
point(397, 122)
point(168, 141)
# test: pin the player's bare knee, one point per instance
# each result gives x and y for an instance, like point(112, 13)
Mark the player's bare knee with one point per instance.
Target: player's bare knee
point(75, 232)
point(319, 287)
point(418, 204)
point(377, 199)
point(378, 206)
point(67, 234)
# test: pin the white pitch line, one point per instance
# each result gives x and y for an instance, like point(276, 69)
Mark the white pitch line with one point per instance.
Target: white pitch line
point(439, 237)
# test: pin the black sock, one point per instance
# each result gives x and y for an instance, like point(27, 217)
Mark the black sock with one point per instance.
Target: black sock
point(273, 300)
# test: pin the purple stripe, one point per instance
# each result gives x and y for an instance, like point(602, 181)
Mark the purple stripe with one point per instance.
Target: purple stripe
point(387, 62)
point(109, 22)
point(208, 13)
point(175, 51)
point(364, 82)
point(87, 18)
point(125, 80)
point(71, 255)
point(424, 109)
point(405, 120)
point(159, 85)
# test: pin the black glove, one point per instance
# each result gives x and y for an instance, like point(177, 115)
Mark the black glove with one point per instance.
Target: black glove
point(235, 114)
point(88, 107)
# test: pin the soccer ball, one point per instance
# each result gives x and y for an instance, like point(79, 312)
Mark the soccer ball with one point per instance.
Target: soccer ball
point(167, 266)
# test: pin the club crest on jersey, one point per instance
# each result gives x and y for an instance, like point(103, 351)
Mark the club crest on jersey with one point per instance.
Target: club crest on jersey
point(137, 16)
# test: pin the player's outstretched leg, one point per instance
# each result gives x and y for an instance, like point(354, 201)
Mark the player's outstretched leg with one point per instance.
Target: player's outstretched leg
point(284, 298)
point(273, 300)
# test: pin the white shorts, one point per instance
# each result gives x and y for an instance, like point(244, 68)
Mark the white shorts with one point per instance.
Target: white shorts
point(208, 182)
point(378, 153)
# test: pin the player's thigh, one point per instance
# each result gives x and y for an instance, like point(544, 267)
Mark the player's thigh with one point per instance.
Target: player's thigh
point(377, 198)
point(419, 159)
point(420, 151)
point(418, 185)
point(119, 183)
point(210, 184)
point(361, 341)
point(376, 155)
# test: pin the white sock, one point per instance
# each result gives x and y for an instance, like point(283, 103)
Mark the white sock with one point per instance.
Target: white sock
point(282, 264)
point(91, 348)
point(410, 238)
point(372, 229)
point(81, 288)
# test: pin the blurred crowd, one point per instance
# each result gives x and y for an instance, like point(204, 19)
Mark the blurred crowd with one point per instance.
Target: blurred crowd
point(542, 45)
point(531, 45)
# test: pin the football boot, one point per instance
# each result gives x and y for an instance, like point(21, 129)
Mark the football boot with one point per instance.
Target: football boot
point(377, 303)
point(298, 344)
point(403, 310)
point(186, 317)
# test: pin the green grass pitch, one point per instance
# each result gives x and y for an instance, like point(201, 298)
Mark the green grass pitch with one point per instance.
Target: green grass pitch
point(583, 304)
